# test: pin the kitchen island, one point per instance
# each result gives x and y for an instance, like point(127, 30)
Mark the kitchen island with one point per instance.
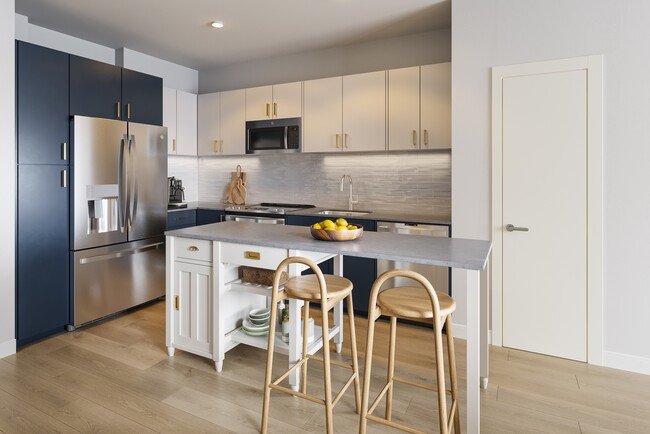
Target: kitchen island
point(206, 300)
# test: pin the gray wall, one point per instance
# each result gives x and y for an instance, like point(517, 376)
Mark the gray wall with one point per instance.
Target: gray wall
point(411, 50)
point(418, 182)
point(504, 32)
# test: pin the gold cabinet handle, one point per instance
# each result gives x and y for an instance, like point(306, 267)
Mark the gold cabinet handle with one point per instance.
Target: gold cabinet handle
point(216, 146)
point(426, 137)
point(268, 110)
point(128, 110)
point(345, 140)
point(415, 138)
point(337, 141)
point(64, 151)
point(193, 249)
point(220, 145)
point(64, 178)
point(252, 255)
point(275, 109)
point(174, 145)
point(177, 303)
point(119, 105)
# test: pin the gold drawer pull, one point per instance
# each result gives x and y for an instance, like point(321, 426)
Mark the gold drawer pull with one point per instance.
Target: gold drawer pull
point(252, 255)
point(193, 249)
point(177, 302)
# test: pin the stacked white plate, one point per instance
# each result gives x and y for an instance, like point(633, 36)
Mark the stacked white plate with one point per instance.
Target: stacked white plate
point(257, 323)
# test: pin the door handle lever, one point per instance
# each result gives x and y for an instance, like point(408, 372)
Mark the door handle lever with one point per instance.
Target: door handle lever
point(513, 228)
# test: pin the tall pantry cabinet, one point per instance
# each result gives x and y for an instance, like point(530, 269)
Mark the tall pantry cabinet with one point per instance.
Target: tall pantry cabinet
point(42, 139)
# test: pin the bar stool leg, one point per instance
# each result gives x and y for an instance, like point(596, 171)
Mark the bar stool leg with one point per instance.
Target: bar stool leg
point(391, 366)
point(326, 368)
point(451, 355)
point(372, 317)
point(305, 338)
point(440, 375)
point(355, 362)
point(269, 363)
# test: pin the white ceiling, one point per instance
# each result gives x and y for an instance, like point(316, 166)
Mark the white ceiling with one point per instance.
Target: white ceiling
point(178, 30)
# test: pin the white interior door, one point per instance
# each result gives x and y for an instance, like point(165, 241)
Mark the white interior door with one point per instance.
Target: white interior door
point(545, 190)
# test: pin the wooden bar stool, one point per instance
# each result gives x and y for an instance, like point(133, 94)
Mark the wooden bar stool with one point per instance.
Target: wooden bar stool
point(418, 302)
point(328, 290)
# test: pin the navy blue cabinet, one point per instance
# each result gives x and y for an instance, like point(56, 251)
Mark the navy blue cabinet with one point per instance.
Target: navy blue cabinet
point(181, 219)
point(42, 251)
point(102, 90)
point(360, 271)
point(141, 98)
point(95, 88)
point(207, 216)
point(41, 105)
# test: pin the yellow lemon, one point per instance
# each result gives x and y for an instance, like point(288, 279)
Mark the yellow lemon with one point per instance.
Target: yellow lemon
point(341, 222)
point(341, 228)
point(351, 227)
point(327, 224)
point(317, 226)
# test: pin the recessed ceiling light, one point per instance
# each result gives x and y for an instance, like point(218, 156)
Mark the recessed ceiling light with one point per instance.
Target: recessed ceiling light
point(216, 24)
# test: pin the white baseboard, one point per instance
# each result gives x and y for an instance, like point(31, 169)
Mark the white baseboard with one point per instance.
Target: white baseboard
point(460, 332)
point(626, 362)
point(7, 348)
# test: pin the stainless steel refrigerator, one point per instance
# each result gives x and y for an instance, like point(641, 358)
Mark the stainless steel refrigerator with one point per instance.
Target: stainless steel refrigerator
point(118, 216)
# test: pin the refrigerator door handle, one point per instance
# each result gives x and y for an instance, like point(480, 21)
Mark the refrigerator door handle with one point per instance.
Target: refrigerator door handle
point(121, 212)
point(121, 254)
point(133, 208)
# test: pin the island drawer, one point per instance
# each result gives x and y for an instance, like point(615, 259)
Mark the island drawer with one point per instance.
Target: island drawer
point(192, 249)
point(253, 256)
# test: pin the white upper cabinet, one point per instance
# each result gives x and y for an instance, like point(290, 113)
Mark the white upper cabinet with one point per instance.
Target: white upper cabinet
point(364, 112)
point(322, 120)
point(435, 109)
point(419, 107)
point(404, 108)
point(274, 102)
point(222, 123)
point(180, 118)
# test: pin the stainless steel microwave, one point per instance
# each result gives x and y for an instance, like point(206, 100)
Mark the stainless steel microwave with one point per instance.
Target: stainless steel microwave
point(273, 136)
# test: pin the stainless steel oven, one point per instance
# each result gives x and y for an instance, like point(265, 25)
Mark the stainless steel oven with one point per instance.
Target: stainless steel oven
point(254, 219)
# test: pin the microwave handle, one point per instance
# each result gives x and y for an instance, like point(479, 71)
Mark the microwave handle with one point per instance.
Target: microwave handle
point(286, 137)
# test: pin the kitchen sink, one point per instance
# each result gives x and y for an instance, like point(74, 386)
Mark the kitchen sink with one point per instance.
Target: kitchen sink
point(343, 213)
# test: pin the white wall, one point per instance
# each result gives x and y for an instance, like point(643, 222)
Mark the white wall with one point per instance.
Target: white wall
point(8, 168)
point(58, 41)
point(410, 50)
point(501, 32)
point(174, 76)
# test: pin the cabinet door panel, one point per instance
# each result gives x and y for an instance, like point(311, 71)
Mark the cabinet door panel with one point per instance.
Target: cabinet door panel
point(169, 118)
point(287, 100)
point(209, 131)
point(233, 122)
point(193, 306)
point(95, 88)
point(181, 219)
point(42, 104)
point(258, 103)
point(42, 252)
point(208, 216)
point(403, 108)
point(186, 107)
point(436, 106)
point(143, 94)
point(323, 116)
point(364, 112)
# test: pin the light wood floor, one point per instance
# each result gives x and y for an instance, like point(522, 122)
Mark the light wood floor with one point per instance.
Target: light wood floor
point(116, 377)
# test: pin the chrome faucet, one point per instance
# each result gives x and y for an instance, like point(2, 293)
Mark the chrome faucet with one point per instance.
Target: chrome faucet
point(351, 201)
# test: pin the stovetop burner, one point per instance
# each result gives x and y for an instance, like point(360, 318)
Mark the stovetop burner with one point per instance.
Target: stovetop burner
point(268, 208)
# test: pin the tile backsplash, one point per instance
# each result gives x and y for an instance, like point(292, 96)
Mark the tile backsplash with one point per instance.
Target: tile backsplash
point(417, 182)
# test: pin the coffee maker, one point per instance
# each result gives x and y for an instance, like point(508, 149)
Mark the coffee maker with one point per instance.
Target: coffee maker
point(176, 193)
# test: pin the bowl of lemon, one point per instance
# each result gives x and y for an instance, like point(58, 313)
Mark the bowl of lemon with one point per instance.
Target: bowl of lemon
point(336, 230)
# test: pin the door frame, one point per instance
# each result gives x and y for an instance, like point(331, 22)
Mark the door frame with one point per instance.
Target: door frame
point(593, 65)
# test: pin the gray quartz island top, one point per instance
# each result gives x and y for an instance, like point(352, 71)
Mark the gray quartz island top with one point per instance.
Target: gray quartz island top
point(447, 252)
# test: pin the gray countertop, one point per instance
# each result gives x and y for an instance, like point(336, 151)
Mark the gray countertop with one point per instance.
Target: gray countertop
point(440, 218)
point(447, 252)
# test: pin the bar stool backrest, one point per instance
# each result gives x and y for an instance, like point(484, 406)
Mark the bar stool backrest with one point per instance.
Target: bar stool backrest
point(305, 261)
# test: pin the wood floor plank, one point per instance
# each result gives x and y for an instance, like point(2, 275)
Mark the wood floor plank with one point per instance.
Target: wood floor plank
point(18, 417)
point(87, 417)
